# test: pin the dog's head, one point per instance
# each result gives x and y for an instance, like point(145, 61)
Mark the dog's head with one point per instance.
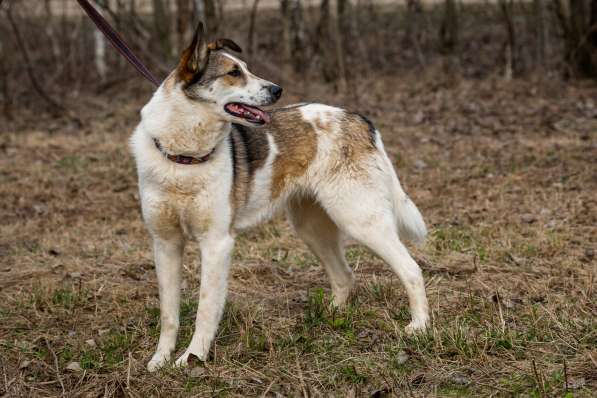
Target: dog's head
point(214, 78)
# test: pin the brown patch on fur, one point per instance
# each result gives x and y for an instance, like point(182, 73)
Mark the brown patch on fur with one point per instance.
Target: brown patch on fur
point(296, 143)
point(356, 137)
point(217, 67)
point(177, 215)
point(249, 150)
point(297, 147)
point(163, 220)
point(194, 58)
point(226, 65)
point(184, 70)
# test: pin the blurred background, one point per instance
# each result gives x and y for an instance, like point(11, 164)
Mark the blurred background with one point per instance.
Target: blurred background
point(51, 54)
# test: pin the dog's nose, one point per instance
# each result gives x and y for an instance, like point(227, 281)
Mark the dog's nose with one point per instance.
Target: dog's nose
point(275, 91)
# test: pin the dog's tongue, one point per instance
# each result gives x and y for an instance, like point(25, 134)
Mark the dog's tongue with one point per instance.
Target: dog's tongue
point(249, 112)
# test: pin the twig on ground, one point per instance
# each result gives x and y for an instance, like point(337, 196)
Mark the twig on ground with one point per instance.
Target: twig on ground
point(268, 388)
point(57, 366)
point(538, 380)
point(565, 376)
point(304, 387)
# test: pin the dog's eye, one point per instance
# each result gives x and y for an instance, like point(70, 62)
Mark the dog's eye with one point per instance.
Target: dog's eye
point(234, 73)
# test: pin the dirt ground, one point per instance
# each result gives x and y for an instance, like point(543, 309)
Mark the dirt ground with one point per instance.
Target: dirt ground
point(503, 172)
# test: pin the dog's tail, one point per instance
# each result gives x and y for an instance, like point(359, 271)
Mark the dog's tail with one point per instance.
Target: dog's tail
point(411, 225)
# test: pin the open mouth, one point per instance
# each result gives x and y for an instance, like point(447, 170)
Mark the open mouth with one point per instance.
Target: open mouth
point(249, 113)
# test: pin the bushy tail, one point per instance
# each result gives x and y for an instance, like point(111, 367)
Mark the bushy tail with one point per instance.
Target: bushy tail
point(411, 225)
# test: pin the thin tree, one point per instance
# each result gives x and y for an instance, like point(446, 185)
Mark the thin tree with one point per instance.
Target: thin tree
point(578, 22)
point(448, 32)
point(161, 23)
point(293, 31)
point(506, 8)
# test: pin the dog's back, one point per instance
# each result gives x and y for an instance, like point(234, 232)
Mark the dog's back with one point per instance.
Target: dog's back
point(304, 147)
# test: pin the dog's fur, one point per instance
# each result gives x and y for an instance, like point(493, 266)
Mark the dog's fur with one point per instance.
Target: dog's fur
point(324, 166)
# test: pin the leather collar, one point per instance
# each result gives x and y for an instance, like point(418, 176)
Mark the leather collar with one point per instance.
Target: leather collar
point(181, 159)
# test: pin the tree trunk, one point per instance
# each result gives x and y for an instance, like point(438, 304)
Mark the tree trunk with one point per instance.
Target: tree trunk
point(161, 20)
point(100, 54)
point(510, 45)
point(199, 10)
point(56, 51)
point(251, 39)
point(448, 33)
point(339, 47)
point(183, 22)
point(582, 48)
point(6, 99)
point(212, 22)
point(540, 32)
point(323, 43)
point(293, 31)
point(413, 16)
point(578, 21)
point(593, 36)
point(594, 23)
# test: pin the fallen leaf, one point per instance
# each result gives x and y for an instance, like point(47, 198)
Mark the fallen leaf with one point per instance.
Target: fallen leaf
point(74, 367)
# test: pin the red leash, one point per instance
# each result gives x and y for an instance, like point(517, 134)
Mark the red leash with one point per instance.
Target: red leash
point(117, 41)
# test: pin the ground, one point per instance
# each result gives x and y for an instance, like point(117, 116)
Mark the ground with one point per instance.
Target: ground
point(503, 172)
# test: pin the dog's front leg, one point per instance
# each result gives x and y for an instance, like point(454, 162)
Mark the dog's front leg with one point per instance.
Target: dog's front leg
point(215, 266)
point(168, 264)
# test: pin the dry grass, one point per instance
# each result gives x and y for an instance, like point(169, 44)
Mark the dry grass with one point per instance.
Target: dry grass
point(503, 172)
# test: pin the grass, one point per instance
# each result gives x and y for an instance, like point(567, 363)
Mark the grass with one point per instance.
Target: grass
point(508, 265)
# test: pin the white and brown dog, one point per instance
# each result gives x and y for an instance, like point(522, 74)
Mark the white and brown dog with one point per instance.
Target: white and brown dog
point(210, 163)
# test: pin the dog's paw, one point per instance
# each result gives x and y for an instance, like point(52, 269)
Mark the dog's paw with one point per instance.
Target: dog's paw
point(416, 326)
point(189, 357)
point(158, 360)
point(341, 293)
point(340, 298)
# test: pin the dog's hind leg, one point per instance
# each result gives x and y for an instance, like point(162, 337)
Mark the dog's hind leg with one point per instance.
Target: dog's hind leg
point(323, 237)
point(368, 216)
point(216, 250)
point(168, 265)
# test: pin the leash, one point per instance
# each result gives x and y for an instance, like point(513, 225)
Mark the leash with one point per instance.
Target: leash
point(116, 40)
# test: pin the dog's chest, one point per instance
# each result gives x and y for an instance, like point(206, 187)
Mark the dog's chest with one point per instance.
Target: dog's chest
point(186, 205)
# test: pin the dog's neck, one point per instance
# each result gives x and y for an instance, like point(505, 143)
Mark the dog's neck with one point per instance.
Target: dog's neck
point(183, 128)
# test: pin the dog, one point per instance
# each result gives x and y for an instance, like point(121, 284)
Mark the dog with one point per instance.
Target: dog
point(211, 162)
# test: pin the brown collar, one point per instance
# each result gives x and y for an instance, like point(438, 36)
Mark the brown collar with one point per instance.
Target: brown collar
point(181, 159)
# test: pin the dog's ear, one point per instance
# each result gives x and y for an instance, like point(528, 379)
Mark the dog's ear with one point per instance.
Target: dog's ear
point(193, 60)
point(221, 43)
